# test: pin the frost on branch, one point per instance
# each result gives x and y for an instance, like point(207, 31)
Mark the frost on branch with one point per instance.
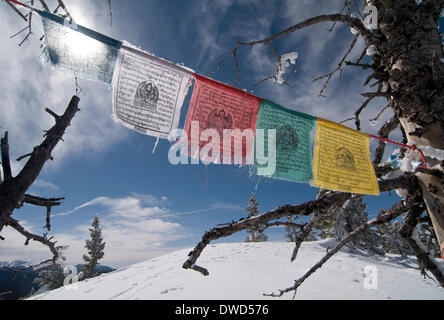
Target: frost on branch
point(285, 61)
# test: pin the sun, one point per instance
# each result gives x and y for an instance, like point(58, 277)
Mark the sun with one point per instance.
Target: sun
point(80, 45)
point(76, 42)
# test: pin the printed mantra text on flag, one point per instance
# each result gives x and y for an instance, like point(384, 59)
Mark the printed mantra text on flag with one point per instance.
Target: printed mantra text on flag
point(220, 107)
point(341, 160)
point(293, 142)
point(148, 92)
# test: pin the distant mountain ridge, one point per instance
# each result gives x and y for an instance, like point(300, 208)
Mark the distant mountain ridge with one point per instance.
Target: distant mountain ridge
point(24, 281)
point(15, 264)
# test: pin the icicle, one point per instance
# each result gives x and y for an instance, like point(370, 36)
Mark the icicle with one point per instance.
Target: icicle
point(155, 145)
point(206, 177)
point(257, 183)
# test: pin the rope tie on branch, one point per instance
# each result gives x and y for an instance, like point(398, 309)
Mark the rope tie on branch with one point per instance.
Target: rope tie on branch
point(413, 147)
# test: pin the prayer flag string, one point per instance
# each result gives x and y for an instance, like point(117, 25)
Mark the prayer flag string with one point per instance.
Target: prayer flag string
point(148, 94)
point(413, 147)
point(22, 4)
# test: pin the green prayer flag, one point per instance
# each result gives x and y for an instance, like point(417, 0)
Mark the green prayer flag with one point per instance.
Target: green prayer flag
point(293, 143)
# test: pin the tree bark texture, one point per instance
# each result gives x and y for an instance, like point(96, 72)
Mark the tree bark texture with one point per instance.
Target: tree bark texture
point(408, 60)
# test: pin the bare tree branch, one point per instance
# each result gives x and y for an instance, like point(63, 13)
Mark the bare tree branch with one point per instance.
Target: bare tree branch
point(384, 132)
point(406, 232)
point(339, 67)
point(352, 22)
point(280, 212)
point(380, 113)
point(384, 217)
point(346, 4)
point(16, 10)
point(6, 164)
point(362, 65)
point(62, 5)
point(42, 2)
point(29, 26)
point(110, 11)
point(306, 209)
point(13, 189)
point(305, 231)
point(42, 202)
point(30, 236)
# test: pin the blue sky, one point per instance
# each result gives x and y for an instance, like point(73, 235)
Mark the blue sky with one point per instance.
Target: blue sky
point(149, 207)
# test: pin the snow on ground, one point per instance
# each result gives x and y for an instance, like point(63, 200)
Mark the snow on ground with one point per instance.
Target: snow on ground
point(247, 270)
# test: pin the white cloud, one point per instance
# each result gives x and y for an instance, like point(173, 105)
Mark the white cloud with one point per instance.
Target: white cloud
point(13, 247)
point(134, 206)
point(133, 227)
point(42, 184)
point(133, 231)
point(217, 38)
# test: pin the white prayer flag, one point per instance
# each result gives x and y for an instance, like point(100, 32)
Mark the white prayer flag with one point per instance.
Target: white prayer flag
point(148, 92)
point(72, 48)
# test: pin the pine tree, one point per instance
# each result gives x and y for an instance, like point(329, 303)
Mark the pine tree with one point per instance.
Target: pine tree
point(290, 231)
point(339, 222)
point(52, 277)
point(391, 240)
point(326, 224)
point(95, 247)
point(255, 232)
point(428, 237)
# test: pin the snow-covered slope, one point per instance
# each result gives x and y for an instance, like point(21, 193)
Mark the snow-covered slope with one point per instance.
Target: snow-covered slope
point(247, 270)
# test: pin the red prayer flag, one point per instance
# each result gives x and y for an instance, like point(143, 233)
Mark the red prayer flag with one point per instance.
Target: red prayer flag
point(217, 106)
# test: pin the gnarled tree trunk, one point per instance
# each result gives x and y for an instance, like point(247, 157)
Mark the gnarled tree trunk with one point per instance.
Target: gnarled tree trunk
point(408, 60)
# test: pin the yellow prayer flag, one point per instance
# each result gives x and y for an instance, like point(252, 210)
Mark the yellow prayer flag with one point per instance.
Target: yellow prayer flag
point(342, 160)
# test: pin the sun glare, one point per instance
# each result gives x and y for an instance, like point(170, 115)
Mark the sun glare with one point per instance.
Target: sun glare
point(81, 45)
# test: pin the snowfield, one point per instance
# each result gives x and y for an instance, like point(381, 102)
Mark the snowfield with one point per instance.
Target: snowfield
point(247, 270)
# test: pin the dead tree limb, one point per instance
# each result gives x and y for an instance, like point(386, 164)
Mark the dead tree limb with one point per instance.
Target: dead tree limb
point(62, 5)
point(44, 5)
point(13, 189)
point(42, 202)
point(31, 236)
point(384, 217)
point(306, 209)
point(338, 68)
point(28, 17)
point(6, 164)
point(425, 261)
point(355, 23)
point(29, 26)
point(305, 231)
point(110, 11)
point(384, 132)
point(21, 15)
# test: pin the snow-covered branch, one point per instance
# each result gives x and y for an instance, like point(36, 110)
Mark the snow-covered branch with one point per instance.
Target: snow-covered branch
point(304, 209)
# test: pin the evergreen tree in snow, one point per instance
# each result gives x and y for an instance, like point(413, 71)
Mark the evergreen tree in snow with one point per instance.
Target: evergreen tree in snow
point(293, 232)
point(326, 224)
point(95, 247)
point(290, 231)
point(428, 237)
point(391, 240)
point(339, 222)
point(256, 232)
point(52, 276)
